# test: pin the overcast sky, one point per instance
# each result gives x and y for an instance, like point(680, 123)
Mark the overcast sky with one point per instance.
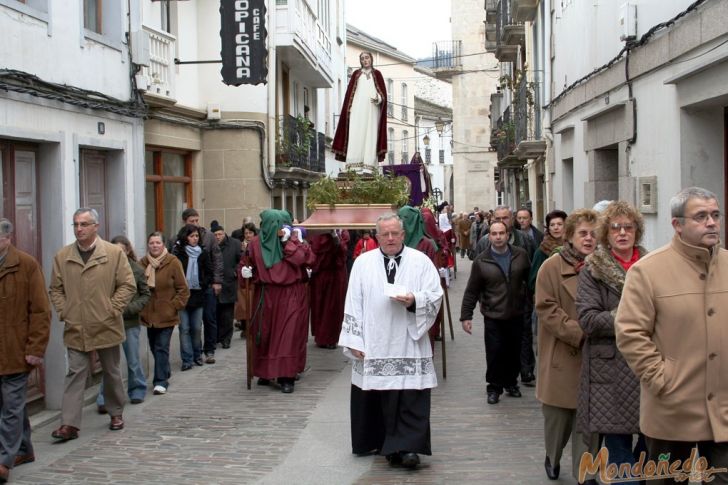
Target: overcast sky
point(409, 25)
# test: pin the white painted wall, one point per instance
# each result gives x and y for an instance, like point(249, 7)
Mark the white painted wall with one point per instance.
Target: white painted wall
point(594, 27)
point(54, 45)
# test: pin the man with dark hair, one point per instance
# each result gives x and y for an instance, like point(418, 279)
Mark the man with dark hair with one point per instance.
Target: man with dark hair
point(209, 315)
point(230, 251)
point(25, 320)
point(524, 217)
point(499, 281)
point(91, 284)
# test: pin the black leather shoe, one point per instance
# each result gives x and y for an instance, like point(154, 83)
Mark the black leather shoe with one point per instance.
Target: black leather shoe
point(287, 387)
point(263, 382)
point(514, 391)
point(528, 380)
point(493, 397)
point(551, 471)
point(410, 460)
point(394, 459)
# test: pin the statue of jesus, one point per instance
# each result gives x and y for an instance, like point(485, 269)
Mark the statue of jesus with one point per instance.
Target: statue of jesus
point(361, 135)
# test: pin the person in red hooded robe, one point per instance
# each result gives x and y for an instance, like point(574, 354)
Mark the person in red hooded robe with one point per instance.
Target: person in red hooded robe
point(442, 258)
point(328, 287)
point(361, 135)
point(280, 312)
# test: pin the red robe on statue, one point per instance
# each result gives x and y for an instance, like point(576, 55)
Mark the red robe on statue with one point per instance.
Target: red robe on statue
point(341, 138)
point(281, 319)
point(328, 287)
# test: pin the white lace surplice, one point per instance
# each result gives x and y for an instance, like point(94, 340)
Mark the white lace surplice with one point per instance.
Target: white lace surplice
point(363, 124)
point(394, 341)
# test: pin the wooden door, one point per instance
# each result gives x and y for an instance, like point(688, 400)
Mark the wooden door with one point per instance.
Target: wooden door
point(93, 186)
point(20, 205)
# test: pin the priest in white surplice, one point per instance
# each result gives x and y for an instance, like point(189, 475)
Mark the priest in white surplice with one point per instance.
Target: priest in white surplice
point(393, 298)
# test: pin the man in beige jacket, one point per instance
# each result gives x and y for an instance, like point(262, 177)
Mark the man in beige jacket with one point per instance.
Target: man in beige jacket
point(671, 329)
point(91, 284)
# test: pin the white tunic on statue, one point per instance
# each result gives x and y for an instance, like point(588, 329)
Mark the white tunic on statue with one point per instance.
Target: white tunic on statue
point(363, 123)
point(396, 346)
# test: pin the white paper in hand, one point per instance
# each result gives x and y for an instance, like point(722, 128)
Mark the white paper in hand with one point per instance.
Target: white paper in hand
point(394, 291)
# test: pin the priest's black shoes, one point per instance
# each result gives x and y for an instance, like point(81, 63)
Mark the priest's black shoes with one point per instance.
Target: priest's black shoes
point(551, 471)
point(493, 397)
point(410, 460)
point(513, 391)
point(394, 459)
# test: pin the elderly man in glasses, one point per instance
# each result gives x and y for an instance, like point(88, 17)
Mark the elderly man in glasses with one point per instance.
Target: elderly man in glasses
point(91, 284)
point(671, 329)
point(393, 299)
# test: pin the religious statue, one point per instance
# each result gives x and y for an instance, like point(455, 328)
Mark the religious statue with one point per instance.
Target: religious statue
point(361, 136)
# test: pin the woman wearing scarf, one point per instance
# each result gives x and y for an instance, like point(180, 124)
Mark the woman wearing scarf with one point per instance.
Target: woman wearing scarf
point(241, 305)
point(553, 238)
point(198, 268)
point(166, 280)
point(559, 342)
point(280, 312)
point(609, 392)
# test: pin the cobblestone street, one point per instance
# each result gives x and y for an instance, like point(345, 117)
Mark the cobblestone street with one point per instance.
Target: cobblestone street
point(209, 429)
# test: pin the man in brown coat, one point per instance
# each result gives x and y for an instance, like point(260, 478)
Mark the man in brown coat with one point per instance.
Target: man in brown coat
point(91, 284)
point(671, 329)
point(25, 318)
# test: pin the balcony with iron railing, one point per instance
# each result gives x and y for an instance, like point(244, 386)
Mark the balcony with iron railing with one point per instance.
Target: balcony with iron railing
point(447, 58)
point(525, 10)
point(300, 150)
point(503, 138)
point(160, 75)
point(491, 11)
point(303, 43)
point(510, 34)
point(527, 117)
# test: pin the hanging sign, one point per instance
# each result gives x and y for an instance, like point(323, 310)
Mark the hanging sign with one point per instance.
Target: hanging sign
point(243, 36)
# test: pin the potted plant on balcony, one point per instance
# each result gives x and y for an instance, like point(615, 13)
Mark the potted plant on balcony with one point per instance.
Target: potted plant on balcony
point(293, 143)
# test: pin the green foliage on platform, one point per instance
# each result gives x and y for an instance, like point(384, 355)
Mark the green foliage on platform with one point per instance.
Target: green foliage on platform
point(353, 188)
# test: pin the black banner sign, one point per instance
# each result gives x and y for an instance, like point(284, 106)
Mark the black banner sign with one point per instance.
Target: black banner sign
point(243, 35)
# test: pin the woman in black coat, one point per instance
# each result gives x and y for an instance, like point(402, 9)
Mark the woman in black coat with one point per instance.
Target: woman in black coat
point(198, 268)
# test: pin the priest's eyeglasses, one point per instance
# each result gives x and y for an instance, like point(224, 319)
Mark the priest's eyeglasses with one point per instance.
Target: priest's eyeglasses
point(387, 235)
point(83, 224)
point(702, 217)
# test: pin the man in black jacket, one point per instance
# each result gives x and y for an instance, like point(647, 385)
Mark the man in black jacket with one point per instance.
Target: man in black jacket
point(230, 251)
point(499, 281)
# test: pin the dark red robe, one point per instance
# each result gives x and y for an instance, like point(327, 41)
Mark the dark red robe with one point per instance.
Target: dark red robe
point(328, 287)
point(341, 138)
point(281, 319)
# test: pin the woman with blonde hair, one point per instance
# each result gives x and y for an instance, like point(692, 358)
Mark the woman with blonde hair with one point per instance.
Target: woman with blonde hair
point(609, 392)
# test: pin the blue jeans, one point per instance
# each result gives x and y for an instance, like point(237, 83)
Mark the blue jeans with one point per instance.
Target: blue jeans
point(620, 450)
point(190, 334)
point(136, 386)
point(159, 339)
point(210, 321)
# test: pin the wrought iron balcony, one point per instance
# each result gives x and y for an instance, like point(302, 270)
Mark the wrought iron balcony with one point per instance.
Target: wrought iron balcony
point(525, 10)
point(447, 58)
point(300, 146)
point(527, 117)
point(510, 34)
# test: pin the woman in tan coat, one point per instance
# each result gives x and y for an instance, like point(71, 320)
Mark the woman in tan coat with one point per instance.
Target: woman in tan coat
point(166, 280)
point(559, 342)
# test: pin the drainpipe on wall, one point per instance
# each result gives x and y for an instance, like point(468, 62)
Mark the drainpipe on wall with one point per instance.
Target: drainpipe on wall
point(547, 133)
point(272, 94)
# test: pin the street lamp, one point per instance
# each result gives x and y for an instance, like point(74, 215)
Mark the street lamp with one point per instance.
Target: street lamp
point(439, 125)
point(426, 140)
point(437, 193)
